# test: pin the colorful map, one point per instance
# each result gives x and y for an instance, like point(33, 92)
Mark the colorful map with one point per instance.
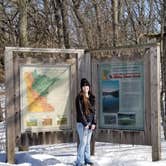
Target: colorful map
point(45, 97)
point(37, 88)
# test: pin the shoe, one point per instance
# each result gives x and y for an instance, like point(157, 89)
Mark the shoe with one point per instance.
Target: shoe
point(89, 163)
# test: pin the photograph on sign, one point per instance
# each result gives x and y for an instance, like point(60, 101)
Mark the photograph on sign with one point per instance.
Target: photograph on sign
point(122, 95)
point(45, 98)
point(110, 94)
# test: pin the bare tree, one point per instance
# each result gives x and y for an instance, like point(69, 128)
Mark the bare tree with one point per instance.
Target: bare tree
point(82, 21)
point(23, 35)
point(115, 21)
point(64, 13)
point(89, 24)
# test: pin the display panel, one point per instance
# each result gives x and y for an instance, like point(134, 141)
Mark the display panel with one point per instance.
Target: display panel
point(122, 95)
point(45, 98)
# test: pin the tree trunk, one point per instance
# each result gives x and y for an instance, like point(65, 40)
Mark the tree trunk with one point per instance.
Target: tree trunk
point(64, 13)
point(115, 21)
point(46, 12)
point(56, 7)
point(97, 13)
point(23, 38)
point(82, 21)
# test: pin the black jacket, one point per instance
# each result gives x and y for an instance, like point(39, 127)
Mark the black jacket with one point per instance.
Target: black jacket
point(81, 117)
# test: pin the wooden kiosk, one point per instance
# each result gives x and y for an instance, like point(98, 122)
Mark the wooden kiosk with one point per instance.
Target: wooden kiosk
point(110, 72)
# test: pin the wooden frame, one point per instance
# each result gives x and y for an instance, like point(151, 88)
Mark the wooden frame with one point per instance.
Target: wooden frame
point(47, 128)
point(11, 113)
point(151, 133)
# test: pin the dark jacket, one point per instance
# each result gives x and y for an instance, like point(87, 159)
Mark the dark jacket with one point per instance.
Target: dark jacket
point(81, 117)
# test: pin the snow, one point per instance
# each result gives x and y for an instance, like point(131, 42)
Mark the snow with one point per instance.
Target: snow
point(106, 154)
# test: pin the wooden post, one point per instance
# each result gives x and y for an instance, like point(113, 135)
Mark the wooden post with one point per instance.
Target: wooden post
point(87, 66)
point(79, 69)
point(17, 100)
point(84, 71)
point(10, 113)
point(92, 145)
point(95, 90)
point(73, 83)
point(155, 102)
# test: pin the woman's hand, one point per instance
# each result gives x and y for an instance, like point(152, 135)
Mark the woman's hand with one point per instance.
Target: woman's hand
point(93, 127)
point(87, 127)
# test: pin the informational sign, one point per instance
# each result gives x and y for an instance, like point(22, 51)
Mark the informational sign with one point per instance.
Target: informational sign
point(122, 95)
point(45, 98)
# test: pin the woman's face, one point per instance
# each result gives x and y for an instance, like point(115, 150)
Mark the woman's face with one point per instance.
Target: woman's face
point(85, 88)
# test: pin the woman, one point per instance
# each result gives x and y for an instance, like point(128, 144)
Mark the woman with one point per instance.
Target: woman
point(86, 122)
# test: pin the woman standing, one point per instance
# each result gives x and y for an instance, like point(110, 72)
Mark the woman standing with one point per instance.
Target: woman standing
point(86, 122)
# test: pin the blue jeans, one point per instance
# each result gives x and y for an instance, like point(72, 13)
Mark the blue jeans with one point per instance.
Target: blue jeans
point(83, 153)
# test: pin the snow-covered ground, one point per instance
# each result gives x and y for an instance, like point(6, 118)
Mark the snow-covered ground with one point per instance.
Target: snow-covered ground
point(106, 154)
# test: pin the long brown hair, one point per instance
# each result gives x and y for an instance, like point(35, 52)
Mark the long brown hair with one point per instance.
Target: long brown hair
point(86, 103)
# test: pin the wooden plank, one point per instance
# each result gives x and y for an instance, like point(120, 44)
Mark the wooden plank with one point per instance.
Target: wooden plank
point(127, 47)
point(92, 144)
point(40, 138)
point(73, 93)
point(121, 136)
point(10, 113)
point(147, 104)
point(52, 137)
point(45, 50)
point(155, 102)
point(34, 138)
point(48, 137)
point(79, 69)
point(44, 138)
point(17, 98)
point(94, 87)
point(83, 67)
point(87, 66)
point(23, 137)
point(27, 140)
